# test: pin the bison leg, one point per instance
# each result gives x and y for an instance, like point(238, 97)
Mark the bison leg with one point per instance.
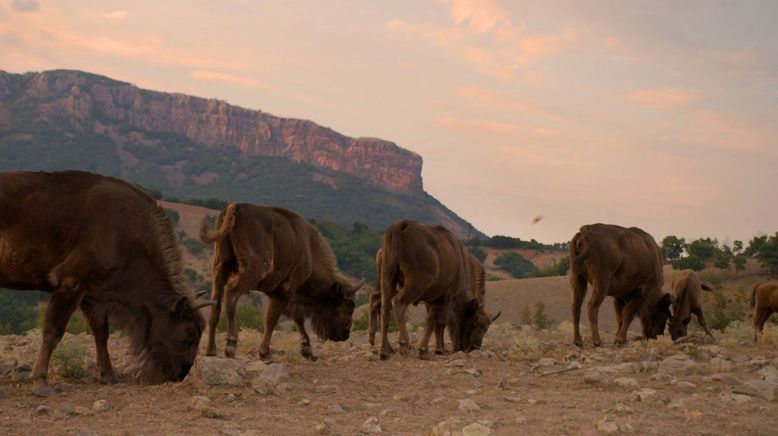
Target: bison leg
point(305, 341)
point(440, 347)
point(98, 323)
point(627, 315)
point(760, 317)
point(374, 316)
point(618, 308)
point(701, 320)
point(61, 306)
point(386, 312)
point(273, 311)
point(217, 294)
point(232, 295)
point(399, 315)
point(578, 283)
point(430, 326)
point(598, 295)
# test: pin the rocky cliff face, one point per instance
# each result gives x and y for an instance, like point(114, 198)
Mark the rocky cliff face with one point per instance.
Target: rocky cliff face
point(82, 98)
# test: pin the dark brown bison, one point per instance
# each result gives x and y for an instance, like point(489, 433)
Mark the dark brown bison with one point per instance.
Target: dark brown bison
point(276, 251)
point(764, 301)
point(421, 263)
point(476, 283)
point(625, 264)
point(686, 300)
point(102, 245)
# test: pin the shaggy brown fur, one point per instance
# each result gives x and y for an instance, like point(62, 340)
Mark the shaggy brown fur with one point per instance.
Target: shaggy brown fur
point(102, 244)
point(625, 264)
point(764, 301)
point(374, 303)
point(276, 251)
point(421, 263)
point(686, 300)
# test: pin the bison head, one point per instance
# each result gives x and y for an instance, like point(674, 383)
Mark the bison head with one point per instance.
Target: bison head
point(655, 320)
point(678, 327)
point(472, 327)
point(331, 316)
point(173, 336)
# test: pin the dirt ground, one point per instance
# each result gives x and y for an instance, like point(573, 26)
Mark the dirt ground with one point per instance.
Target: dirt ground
point(506, 381)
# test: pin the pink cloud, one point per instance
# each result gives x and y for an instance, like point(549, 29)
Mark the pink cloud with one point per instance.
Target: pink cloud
point(512, 103)
point(663, 98)
point(727, 131)
point(229, 78)
point(477, 125)
point(116, 15)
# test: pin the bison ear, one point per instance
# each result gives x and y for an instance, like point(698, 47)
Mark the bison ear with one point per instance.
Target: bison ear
point(666, 301)
point(181, 307)
point(473, 305)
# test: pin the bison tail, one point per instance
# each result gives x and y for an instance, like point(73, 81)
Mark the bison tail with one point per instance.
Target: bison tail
point(225, 222)
point(390, 252)
point(579, 249)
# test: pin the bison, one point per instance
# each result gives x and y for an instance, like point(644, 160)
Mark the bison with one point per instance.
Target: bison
point(476, 283)
point(279, 253)
point(686, 297)
point(764, 301)
point(624, 263)
point(100, 244)
point(421, 263)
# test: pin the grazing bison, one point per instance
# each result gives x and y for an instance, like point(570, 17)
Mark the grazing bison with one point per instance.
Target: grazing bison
point(764, 301)
point(625, 264)
point(686, 297)
point(102, 245)
point(276, 251)
point(421, 263)
point(476, 283)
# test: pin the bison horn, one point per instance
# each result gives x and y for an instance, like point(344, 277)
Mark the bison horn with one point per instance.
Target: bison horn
point(199, 304)
point(200, 294)
point(356, 287)
point(496, 316)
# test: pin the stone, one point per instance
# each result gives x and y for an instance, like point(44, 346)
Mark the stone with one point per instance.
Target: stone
point(468, 405)
point(607, 426)
point(3, 394)
point(21, 373)
point(262, 388)
point(336, 408)
point(725, 378)
point(626, 368)
point(68, 409)
point(371, 426)
point(304, 402)
point(83, 411)
point(437, 400)
point(644, 395)
point(45, 391)
point(768, 373)
point(595, 377)
point(199, 403)
point(626, 382)
point(676, 404)
point(719, 364)
point(686, 386)
point(274, 374)
point(255, 367)
point(101, 406)
point(763, 388)
point(474, 372)
point(320, 428)
point(64, 387)
point(43, 410)
point(217, 371)
point(476, 429)
point(729, 397)
point(446, 428)
point(675, 365)
point(457, 363)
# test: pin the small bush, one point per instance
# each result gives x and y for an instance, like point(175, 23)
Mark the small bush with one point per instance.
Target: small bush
point(493, 278)
point(69, 359)
point(193, 246)
point(361, 323)
point(478, 253)
point(516, 264)
point(540, 320)
point(173, 215)
point(721, 311)
point(246, 315)
point(526, 317)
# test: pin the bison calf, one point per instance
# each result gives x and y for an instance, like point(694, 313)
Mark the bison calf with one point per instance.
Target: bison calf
point(686, 298)
point(624, 263)
point(764, 301)
point(279, 253)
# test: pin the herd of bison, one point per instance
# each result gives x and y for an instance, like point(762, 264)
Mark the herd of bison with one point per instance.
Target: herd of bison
point(104, 246)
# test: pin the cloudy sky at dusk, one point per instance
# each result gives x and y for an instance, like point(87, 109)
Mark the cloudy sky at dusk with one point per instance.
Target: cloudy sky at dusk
point(658, 114)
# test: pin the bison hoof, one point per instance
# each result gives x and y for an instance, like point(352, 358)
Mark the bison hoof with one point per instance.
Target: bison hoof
point(424, 355)
point(109, 379)
point(441, 352)
point(578, 342)
point(308, 354)
point(597, 342)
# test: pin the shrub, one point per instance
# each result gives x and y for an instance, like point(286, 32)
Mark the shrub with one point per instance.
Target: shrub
point(689, 262)
point(526, 317)
point(516, 264)
point(540, 320)
point(246, 316)
point(193, 245)
point(478, 253)
point(17, 312)
point(721, 311)
point(69, 359)
point(492, 278)
point(173, 215)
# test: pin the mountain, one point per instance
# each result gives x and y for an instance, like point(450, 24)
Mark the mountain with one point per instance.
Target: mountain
point(191, 147)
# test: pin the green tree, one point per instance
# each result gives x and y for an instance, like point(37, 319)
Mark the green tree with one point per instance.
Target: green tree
point(704, 248)
point(755, 245)
point(689, 262)
point(672, 247)
point(740, 263)
point(563, 266)
point(768, 254)
point(478, 253)
point(515, 264)
point(18, 312)
point(737, 247)
point(723, 258)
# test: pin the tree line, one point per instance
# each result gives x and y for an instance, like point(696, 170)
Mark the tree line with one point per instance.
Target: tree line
point(700, 253)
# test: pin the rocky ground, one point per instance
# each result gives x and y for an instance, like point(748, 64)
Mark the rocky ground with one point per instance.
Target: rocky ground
point(523, 381)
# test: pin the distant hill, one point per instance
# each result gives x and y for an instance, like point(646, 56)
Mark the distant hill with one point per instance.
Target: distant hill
point(191, 147)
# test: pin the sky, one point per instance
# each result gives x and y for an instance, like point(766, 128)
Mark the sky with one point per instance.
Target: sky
point(656, 114)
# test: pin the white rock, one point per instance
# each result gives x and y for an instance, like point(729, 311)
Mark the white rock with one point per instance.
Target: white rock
point(676, 366)
point(768, 373)
point(199, 403)
point(218, 371)
point(595, 377)
point(545, 362)
point(255, 367)
point(457, 363)
point(607, 426)
point(371, 426)
point(644, 395)
point(676, 404)
point(101, 406)
point(274, 374)
point(765, 389)
point(476, 429)
point(729, 397)
point(719, 364)
point(468, 405)
point(446, 428)
point(626, 382)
